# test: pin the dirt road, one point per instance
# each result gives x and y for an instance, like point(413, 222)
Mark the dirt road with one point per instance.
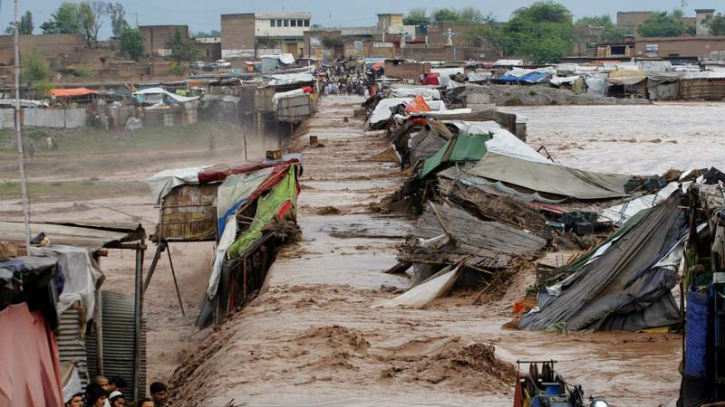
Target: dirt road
point(315, 338)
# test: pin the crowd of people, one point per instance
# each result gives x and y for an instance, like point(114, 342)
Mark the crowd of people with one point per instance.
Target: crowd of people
point(343, 78)
point(105, 392)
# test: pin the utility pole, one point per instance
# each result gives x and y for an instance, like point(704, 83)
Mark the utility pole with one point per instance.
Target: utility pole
point(19, 135)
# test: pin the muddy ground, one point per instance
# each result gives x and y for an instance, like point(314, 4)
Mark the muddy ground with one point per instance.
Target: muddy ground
point(314, 337)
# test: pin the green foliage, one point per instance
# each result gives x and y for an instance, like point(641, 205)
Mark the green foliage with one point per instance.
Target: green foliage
point(83, 72)
point(132, 43)
point(36, 68)
point(26, 25)
point(605, 20)
point(178, 69)
point(332, 42)
point(417, 16)
point(478, 37)
point(446, 14)
point(44, 88)
point(661, 24)
point(544, 12)
point(717, 24)
point(543, 32)
point(118, 19)
point(471, 15)
point(183, 48)
point(66, 20)
point(614, 34)
point(211, 34)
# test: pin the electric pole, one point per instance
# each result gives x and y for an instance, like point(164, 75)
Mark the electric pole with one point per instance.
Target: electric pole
point(19, 135)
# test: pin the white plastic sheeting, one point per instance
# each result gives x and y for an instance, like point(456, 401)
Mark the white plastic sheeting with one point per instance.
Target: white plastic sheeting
point(619, 214)
point(446, 72)
point(163, 182)
point(238, 187)
point(162, 91)
point(229, 236)
point(425, 293)
point(290, 78)
point(560, 80)
point(80, 275)
point(382, 111)
point(597, 86)
point(427, 93)
point(479, 76)
point(509, 62)
point(503, 142)
point(287, 59)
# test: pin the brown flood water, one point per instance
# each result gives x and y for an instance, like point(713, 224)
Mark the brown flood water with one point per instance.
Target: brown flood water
point(313, 338)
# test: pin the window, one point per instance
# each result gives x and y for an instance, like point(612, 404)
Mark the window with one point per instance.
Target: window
point(273, 23)
point(307, 23)
point(294, 23)
point(286, 23)
point(300, 23)
point(279, 22)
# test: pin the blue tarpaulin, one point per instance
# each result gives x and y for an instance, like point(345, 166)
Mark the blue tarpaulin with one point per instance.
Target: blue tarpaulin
point(698, 346)
point(534, 77)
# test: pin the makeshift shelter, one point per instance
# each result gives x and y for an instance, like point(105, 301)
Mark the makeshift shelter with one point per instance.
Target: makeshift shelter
point(76, 95)
point(663, 85)
point(627, 86)
point(29, 355)
point(623, 284)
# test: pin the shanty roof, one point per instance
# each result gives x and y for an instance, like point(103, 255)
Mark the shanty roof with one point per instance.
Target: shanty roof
point(79, 234)
point(67, 93)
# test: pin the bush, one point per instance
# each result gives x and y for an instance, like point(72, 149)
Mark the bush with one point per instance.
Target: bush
point(36, 69)
point(132, 43)
point(84, 72)
point(177, 69)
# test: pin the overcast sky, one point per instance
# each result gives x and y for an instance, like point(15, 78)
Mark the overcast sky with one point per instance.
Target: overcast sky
point(204, 14)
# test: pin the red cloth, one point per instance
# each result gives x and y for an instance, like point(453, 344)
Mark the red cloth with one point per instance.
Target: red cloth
point(29, 367)
point(432, 79)
point(417, 105)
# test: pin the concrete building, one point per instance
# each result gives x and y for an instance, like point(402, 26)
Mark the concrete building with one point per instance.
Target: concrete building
point(250, 35)
point(703, 17)
point(211, 48)
point(56, 48)
point(157, 38)
point(694, 47)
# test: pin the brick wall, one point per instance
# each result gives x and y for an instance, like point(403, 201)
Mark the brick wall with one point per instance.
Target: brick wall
point(50, 46)
point(406, 70)
point(238, 35)
point(680, 46)
point(157, 37)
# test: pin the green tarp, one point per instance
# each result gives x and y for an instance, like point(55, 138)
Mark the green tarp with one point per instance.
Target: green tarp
point(467, 147)
point(267, 208)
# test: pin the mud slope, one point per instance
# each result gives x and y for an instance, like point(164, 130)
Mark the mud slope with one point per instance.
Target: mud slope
point(313, 339)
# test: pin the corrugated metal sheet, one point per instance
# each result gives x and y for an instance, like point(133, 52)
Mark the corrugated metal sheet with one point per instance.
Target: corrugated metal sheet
point(118, 346)
point(294, 109)
point(71, 345)
point(78, 235)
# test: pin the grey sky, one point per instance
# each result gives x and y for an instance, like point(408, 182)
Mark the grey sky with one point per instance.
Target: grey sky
point(204, 14)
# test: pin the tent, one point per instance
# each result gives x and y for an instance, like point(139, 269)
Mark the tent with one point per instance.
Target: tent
point(623, 284)
point(550, 178)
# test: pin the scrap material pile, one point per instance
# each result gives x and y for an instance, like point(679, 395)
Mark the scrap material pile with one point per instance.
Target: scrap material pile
point(248, 210)
point(703, 285)
point(487, 204)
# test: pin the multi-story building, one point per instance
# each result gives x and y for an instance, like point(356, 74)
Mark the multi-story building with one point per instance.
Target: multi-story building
point(252, 35)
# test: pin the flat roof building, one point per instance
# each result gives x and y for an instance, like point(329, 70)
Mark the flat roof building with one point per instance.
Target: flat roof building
point(252, 35)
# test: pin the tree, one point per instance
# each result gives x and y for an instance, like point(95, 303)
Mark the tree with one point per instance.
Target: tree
point(90, 14)
point(118, 19)
point(182, 49)
point(446, 14)
point(605, 20)
point(132, 43)
point(544, 12)
point(543, 32)
point(478, 37)
point(471, 15)
point(66, 20)
point(211, 34)
point(613, 34)
point(416, 16)
point(717, 24)
point(36, 68)
point(661, 24)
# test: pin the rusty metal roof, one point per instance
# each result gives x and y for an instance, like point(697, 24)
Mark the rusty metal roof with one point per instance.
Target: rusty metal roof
point(92, 235)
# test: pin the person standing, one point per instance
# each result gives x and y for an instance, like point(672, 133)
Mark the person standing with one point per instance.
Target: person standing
point(159, 393)
point(31, 151)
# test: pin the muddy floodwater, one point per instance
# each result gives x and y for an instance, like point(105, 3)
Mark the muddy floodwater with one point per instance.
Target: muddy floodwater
point(315, 336)
point(630, 139)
